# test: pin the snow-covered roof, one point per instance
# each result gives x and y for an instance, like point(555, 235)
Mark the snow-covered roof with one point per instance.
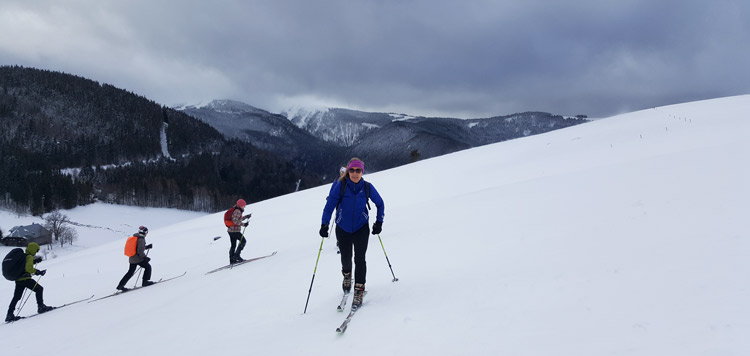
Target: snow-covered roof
point(30, 231)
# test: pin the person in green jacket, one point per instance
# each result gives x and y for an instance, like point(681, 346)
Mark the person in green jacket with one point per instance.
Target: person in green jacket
point(25, 281)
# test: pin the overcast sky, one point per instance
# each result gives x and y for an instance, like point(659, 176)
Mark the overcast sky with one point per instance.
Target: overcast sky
point(459, 58)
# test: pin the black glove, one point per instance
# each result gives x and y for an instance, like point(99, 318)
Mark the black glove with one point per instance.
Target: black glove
point(146, 259)
point(324, 230)
point(37, 259)
point(245, 224)
point(247, 216)
point(377, 227)
point(40, 272)
point(149, 246)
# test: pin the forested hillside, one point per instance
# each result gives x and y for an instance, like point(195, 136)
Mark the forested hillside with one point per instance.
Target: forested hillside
point(67, 141)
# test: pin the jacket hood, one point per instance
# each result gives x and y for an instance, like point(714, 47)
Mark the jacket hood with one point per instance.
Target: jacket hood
point(32, 248)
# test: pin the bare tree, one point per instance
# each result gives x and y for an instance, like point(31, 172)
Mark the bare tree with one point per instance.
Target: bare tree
point(57, 223)
point(68, 236)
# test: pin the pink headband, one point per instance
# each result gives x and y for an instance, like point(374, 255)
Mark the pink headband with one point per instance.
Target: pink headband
point(357, 164)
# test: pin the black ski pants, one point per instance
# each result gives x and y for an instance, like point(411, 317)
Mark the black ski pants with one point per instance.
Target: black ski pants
point(18, 293)
point(233, 238)
point(131, 272)
point(356, 241)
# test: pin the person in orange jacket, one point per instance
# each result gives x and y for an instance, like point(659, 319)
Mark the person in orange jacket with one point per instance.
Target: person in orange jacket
point(139, 259)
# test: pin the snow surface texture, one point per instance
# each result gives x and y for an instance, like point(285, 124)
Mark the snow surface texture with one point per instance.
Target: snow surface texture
point(623, 236)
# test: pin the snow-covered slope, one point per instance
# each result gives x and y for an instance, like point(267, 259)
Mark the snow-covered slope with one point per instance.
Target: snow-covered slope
point(624, 236)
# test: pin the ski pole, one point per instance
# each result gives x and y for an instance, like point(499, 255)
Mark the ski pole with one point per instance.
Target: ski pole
point(242, 238)
point(313, 276)
point(386, 258)
point(29, 296)
point(23, 296)
point(139, 271)
point(333, 228)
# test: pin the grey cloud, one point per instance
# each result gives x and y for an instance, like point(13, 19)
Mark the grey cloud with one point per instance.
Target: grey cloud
point(442, 58)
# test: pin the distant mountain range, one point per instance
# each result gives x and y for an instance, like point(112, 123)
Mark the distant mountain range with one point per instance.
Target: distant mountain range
point(270, 132)
point(311, 137)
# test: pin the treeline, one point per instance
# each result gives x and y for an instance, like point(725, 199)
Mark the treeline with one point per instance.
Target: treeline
point(28, 183)
point(67, 141)
point(204, 182)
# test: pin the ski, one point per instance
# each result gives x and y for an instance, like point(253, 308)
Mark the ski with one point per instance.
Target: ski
point(232, 265)
point(53, 308)
point(342, 305)
point(342, 328)
point(161, 280)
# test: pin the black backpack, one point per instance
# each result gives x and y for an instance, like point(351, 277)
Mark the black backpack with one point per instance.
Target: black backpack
point(14, 264)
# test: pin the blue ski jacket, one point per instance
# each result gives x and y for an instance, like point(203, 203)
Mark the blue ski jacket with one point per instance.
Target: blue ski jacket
point(352, 213)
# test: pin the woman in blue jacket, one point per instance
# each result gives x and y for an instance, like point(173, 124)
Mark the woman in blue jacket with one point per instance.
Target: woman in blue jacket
point(349, 196)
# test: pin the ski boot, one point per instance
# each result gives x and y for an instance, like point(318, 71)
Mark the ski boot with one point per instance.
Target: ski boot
point(359, 294)
point(122, 288)
point(347, 283)
point(147, 283)
point(44, 308)
point(11, 318)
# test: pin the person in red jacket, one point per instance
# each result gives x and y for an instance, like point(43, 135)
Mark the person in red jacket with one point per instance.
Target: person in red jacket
point(234, 228)
point(25, 281)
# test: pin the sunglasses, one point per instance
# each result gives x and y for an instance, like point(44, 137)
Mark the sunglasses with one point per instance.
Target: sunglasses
point(355, 170)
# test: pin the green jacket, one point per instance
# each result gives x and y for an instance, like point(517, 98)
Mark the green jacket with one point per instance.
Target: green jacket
point(31, 250)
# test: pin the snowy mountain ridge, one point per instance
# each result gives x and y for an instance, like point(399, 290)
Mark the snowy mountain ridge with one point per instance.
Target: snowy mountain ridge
point(223, 106)
point(385, 140)
point(339, 126)
point(303, 113)
point(268, 131)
